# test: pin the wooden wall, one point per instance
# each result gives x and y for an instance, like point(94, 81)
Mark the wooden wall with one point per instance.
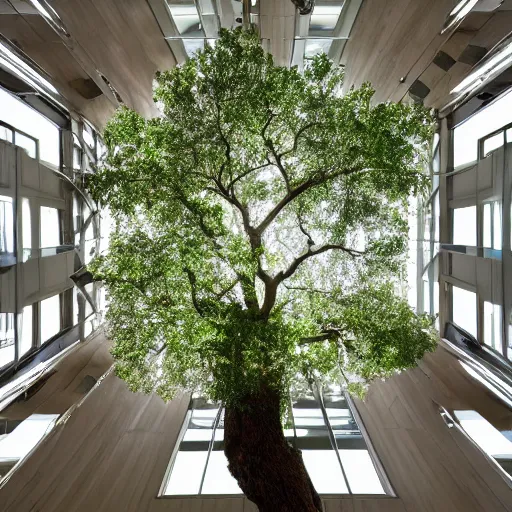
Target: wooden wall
point(112, 452)
point(119, 38)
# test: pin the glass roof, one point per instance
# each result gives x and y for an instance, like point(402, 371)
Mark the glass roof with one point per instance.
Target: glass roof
point(324, 18)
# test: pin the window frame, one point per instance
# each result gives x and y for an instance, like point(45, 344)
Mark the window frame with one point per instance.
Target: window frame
point(388, 491)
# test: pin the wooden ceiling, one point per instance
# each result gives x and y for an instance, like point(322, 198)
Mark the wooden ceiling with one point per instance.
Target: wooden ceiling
point(395, 44)
point(118, 38)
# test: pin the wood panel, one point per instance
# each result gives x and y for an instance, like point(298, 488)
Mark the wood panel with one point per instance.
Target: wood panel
point(65, 387)
point(112, 452)
point(388, 41)
point(393, 44)
point(119, 38)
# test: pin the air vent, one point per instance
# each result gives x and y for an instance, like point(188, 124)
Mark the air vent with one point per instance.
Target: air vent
point(86, 88)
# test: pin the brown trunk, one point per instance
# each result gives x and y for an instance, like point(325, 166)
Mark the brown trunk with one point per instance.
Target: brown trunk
point(269, 471)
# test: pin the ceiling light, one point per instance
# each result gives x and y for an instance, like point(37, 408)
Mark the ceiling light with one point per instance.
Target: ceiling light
point(24, 70)
point(458, 13)
point(496, 60)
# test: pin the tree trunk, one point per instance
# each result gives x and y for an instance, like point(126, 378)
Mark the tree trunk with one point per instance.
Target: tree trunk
point(269, 471)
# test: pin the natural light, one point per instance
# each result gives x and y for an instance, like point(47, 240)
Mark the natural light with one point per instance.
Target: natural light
point(21, 116)
point(466, 135)
point(464, 309)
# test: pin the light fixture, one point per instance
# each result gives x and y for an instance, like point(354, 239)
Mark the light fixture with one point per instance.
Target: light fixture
point(458, 13)
point(50, 15)
point(491, 65)
point(23, 70)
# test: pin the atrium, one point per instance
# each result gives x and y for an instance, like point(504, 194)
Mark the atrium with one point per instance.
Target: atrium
point(75, 437)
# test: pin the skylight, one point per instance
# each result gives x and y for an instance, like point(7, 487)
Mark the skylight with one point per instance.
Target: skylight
point(186, 19)
point(324, 18)
point(487, 437)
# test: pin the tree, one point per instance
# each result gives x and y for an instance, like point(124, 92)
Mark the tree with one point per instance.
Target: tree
point(260, 238)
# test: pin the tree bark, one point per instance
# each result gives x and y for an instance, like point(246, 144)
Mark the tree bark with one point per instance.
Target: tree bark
point(270, 472)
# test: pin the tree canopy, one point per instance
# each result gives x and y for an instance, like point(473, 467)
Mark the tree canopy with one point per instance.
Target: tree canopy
point(261, 228)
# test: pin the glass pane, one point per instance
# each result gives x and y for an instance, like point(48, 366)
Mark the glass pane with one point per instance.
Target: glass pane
point(464, 309)
point(50, 227)
point(487, 228)
point(26, 435)
point(187, 472)
point(193, 45)
point(436, 217)
point(218, 479)
point(464, 226)
point(5, 134)
point(426, 296)
point(494, 142)
point(492, 325)
point(466, 135)
point(324, 18)
point(436, 298)
point(188, 25)
point(7, 349)
point(25, 332)
point(6, 231)
point(88, 138)
point(26, 119)
point(50, 318)
point(313, 439)
point(26, 143)
point(316, 46)
point(509, 135)
point(26, 220)
point(496, 228)
point(186, 18)
point(77, 158)
point(360, 471)
point(486, 436)
point(325, 471)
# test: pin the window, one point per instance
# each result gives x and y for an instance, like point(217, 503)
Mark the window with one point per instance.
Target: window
point(25, 331)
point(21, 116)
point(7, 349)
point(494, 142)
point(50, 318)
point(26, 228)
point(331, 442)
point(492, 226)
point(464, 226)
point(467, 134)
point(6, 231)
point(28, 144)
point(492, 325)
point(50, 227)
point(464, 310)
point(487, 437)
point(324, 18)
point(16, 445)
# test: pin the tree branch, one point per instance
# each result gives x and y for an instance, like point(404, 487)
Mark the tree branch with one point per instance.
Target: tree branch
point(246, 173)
point(192, 280)
point(226, 144)
point(327, 334)
point(278, 163)
point(311, 242)
point(320, 178)
point(296, 138)
point(288, 198)
point(227, 289)
point(307, 290)
point(281, 276)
